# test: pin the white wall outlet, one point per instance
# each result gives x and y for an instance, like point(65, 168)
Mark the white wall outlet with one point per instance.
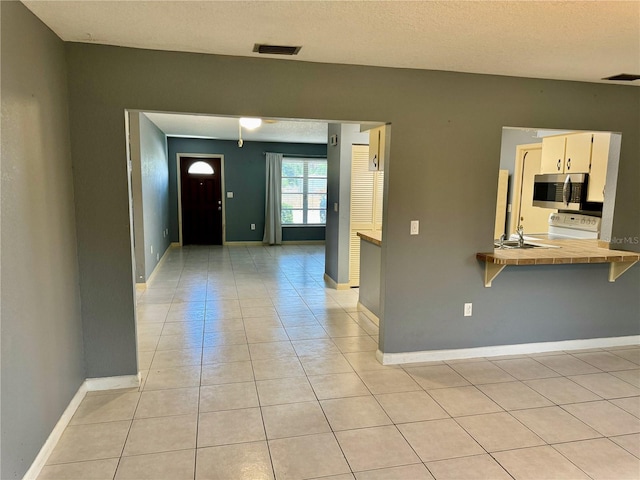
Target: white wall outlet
point(151, 248)
point(415, 227)
point(253, 226)
point(158, 257)
point(468, 309)
point(335, 207)
point(229, 194)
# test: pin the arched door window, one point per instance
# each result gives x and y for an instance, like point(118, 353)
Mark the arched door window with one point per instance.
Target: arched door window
point(201, 168)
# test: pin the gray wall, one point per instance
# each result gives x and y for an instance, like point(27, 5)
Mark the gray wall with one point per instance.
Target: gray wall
point(370, 268)
point(42, 357)
point(155, 193)
point(339, 191)
point(137, 211)
point(244, 175)
point(441, 171)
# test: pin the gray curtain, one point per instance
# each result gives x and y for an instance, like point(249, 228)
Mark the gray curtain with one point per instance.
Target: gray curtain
point(272, 219)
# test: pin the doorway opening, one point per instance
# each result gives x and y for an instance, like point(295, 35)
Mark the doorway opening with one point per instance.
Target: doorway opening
point(200, 200)
point(186, 200)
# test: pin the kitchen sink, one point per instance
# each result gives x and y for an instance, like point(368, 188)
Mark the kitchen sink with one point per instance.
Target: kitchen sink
point(514, 244)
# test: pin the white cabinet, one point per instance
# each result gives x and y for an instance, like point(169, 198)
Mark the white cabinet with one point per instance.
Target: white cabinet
point(553, 149)
point(566, 153)
point(578, 153)
point(586, 152)
point(598, 171)
point(376, 148)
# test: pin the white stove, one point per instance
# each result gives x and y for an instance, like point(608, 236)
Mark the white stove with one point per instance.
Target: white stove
point(573, 225)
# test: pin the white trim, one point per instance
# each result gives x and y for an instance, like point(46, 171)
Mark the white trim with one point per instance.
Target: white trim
point(303, 242)
point(499, 350)
point(260, 243)
point(175, 244)
point(43, 455)
point(336, 286)
point(372, 316)
point(111, 383)
point(90, 384)
point(222, 188)
point(155, 269)
point(255, 243)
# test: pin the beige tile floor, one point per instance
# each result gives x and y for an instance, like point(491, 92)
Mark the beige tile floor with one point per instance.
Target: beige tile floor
point(252, 369)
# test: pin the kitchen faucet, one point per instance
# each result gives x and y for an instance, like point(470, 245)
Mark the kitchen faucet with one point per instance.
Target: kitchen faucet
point(520, 232)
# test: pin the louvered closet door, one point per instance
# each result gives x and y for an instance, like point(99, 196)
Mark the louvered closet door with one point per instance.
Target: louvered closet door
point(366, 206)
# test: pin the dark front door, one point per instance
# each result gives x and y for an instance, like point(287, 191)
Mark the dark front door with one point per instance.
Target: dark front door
point(201, 195)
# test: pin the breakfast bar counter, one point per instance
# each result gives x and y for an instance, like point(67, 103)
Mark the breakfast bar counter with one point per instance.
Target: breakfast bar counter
point(557, 251)
point(374, 237)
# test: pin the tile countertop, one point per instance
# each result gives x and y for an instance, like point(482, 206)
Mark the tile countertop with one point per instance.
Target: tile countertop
point(374, 237)
point(569, 251)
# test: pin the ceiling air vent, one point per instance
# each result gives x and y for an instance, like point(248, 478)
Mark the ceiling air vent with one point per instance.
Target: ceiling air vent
point(623, 77)
point(275, 49)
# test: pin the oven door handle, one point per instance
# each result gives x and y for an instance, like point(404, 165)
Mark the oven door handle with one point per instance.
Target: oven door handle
point(566, 190)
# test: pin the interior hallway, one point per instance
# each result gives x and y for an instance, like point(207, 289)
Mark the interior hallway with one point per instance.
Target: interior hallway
point(253, 369)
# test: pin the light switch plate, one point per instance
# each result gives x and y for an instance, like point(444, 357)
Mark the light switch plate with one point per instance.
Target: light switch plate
point(229, 194)
point(415, 227)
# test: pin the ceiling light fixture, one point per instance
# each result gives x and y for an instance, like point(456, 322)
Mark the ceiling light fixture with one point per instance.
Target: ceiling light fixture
point(250, 123)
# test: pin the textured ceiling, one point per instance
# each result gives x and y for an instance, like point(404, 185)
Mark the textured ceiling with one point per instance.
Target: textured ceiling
point(570, 40)
point(226, 128)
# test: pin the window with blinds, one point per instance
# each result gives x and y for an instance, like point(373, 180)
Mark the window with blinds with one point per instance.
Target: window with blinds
point(304, 191)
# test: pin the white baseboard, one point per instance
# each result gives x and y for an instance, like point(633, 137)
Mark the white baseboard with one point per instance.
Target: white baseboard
point(112, 383)
point(303, 242)
point(257, 243)
point(499, 350)
point(374, 318)
point(90, 384)
point(42, 457)
point(175, 244)
point(155, 269)
point(331, 283)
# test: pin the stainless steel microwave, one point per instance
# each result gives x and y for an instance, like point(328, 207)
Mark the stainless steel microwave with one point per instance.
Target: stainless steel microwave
point(562, 191)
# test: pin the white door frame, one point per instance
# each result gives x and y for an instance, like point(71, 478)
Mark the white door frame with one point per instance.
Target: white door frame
point(518, 171)
point(179, 157)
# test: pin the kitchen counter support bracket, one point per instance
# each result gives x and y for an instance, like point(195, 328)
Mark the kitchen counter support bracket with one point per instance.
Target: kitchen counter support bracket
point(618, 268)
point(491, 271)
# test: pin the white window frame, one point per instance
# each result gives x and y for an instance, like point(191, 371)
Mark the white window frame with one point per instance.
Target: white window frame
point(305, 191)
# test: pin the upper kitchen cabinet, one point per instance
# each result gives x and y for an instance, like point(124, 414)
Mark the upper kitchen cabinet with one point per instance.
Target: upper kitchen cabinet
point(598, 170)
point(376, 148)
point(566, 153)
